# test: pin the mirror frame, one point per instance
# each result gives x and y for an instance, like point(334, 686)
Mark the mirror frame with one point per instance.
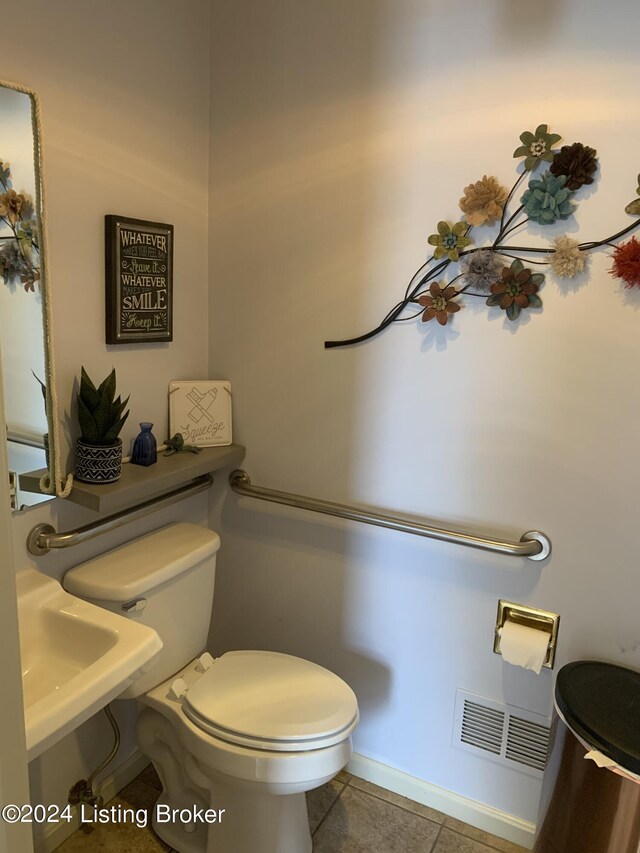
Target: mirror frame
point(55, 482)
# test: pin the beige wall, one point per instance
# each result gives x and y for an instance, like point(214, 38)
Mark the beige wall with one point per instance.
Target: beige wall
point(124, 89)
point(341, 133)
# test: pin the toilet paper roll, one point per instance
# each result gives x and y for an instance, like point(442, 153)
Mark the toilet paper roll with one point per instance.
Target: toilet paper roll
point(524, 646)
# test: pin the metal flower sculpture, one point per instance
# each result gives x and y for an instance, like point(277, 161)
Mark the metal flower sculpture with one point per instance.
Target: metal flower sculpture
point(19, 255)
point(497, 272)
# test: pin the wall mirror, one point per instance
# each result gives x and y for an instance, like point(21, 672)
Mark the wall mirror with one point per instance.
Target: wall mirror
point(25, 317)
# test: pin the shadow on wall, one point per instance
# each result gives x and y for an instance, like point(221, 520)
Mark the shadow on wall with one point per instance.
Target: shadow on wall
point(294, 564)
point(296, 547)
point(538, 21)
point(290, 168)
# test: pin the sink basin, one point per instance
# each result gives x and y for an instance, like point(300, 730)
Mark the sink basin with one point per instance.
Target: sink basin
point(76, 658)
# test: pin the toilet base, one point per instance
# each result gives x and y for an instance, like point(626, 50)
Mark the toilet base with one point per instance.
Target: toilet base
point(176, 834)
point(253, 821)
point(254, 824)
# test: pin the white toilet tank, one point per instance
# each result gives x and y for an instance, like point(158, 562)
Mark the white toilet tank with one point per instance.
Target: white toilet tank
point(164, 580)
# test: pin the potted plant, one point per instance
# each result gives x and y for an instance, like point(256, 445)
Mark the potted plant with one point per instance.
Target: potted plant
point(45, 437)
point(99, 450)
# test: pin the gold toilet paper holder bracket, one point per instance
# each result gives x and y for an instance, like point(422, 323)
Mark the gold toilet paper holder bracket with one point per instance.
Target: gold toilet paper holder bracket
point(541, 620)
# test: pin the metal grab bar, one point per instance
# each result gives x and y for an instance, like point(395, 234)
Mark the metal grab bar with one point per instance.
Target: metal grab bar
point(533, 544)
point(44, 537)
point(36, 441)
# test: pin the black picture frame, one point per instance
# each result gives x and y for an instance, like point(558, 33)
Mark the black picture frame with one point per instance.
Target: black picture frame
point(138, 281)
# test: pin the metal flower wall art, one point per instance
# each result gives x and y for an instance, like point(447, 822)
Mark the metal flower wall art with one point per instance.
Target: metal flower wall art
point(508, 277)
point(19, 255)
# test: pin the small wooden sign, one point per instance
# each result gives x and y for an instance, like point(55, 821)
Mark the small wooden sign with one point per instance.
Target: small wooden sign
point(139, 281)
point(201, 412)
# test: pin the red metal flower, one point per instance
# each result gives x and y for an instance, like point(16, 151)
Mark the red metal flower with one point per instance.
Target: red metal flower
point(437, 303)
point(626, 262)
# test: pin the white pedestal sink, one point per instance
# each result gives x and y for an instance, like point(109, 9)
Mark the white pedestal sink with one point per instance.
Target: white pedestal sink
point(76, 658)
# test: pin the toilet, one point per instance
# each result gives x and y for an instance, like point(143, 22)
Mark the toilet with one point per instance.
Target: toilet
point(236, 740)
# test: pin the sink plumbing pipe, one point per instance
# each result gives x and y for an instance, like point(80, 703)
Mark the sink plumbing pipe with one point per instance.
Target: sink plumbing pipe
point(82, 792)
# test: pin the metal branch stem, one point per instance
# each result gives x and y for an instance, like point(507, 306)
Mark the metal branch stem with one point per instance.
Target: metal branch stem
point(393, 315)
point(509, 197)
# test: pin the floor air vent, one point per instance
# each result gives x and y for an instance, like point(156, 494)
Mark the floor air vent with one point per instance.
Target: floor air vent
point(503, 733)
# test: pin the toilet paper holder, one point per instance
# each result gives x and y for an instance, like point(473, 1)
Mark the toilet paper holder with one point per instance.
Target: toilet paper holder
point(541, 620)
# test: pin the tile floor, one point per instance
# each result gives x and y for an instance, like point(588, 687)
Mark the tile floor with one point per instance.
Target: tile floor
point(347, 815)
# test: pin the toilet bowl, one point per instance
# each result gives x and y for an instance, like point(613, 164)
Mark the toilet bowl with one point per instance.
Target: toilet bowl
point(260, 780)
point(237, 740)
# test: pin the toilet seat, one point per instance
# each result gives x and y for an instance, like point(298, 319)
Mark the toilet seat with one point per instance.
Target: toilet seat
point(271, 701)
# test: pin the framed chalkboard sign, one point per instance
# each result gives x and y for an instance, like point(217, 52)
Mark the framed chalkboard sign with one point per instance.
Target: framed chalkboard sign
point(139, 281)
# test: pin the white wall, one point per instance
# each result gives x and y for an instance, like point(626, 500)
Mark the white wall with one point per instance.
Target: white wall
point(124, 90)
point(341, 134)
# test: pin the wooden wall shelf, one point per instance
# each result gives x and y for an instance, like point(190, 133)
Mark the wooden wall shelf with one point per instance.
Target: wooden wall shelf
point(138, 484)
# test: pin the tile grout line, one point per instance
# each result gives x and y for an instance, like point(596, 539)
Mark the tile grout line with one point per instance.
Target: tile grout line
point(325, 815)
point(441, 825)
point(398, 806)
point(463, 835)
point(395, 805)
point(437, 838)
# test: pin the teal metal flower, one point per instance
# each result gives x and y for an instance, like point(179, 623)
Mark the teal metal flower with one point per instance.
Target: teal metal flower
point(547, 199)
point(536, 146)
point(449, 240)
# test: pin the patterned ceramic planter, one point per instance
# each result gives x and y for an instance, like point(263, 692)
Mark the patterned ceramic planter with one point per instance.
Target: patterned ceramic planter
point(98, 464)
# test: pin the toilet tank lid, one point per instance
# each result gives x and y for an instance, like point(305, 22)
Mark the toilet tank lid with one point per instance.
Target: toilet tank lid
point(147, 562)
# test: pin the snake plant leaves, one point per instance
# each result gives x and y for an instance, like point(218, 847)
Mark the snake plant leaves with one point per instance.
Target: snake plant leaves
point(88, 426)
point(88, 391)
point(100, 416)
point(108, 386)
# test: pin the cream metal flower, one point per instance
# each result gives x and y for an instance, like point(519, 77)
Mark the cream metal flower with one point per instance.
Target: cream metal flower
point(483, 201)
point(567, 260)
point(12, 205)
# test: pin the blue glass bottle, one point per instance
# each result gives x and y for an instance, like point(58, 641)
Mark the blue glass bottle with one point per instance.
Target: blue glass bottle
point(145, 450)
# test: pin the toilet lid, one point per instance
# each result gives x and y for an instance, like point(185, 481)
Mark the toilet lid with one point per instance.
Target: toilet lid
point(267, 700)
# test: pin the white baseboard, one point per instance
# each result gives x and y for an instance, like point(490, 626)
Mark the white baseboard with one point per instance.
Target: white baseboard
point(470, 811)
point(107, 789)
